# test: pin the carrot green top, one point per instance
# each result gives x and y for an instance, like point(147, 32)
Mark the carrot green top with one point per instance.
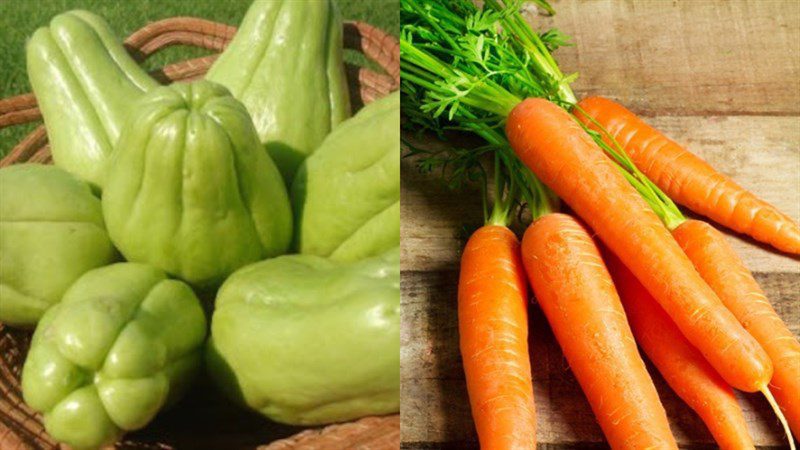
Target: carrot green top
point(466, 68)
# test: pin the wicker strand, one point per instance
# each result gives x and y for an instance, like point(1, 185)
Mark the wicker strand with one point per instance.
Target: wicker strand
point(27, 147)
point(176, 31)
point(368, 433)
point(18, 103)
point(378, 46)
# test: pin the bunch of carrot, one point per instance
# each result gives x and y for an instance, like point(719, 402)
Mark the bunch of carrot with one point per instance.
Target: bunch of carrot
point(671, 284)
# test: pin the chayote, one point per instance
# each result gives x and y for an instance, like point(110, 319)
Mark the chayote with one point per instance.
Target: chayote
point(285, 65)
point(346, 196)
point(191, 191)
point(51, 233)
point(84, 82)
point(124, 342)
point(305, 340)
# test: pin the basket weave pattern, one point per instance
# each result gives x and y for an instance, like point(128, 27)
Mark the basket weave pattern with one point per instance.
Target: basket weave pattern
point(20, 427)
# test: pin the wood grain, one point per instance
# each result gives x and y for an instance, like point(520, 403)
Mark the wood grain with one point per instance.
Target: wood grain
point(722, 78)
point(684, 57)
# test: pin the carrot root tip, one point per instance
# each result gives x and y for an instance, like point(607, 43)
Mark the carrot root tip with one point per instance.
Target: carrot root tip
point(768, 394)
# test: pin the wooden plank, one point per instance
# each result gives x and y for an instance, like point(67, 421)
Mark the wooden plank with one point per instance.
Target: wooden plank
point(700, 57)
point(435, 404)
point(761, 153)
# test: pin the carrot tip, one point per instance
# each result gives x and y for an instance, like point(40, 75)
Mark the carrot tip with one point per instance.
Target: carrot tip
point(768, 394)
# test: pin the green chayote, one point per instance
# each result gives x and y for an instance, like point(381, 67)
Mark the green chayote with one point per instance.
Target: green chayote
point(190, 188)
point(124, 342)
point(84, 81)
point(285, 65)
point(346, 195)
point(51, 233)
point(306, 340)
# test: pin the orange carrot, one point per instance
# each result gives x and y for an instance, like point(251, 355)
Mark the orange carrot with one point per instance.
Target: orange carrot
point(681, 365)
point(493, 328)
point(725, 272)
point(575, 292)
point(564, 157)
point(689, 180)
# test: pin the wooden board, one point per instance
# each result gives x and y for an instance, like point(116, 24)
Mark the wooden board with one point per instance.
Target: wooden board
point(722, 78)
point(708, 57)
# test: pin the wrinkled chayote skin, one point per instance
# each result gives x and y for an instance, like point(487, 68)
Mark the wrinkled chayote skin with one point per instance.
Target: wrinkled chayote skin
point(304, 340)
point(285, 65)
point(124, 342)
point(51, 233)
point(191, 190)
point(346, 196)
point(84, 81)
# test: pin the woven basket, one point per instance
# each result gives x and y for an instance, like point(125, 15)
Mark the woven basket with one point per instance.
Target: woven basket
point(203, 420)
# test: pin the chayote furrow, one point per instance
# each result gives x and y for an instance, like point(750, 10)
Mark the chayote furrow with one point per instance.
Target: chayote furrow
point(285, 64)
point(191, 189)
point(85, 83)
point(124, 343)
point(346, 195)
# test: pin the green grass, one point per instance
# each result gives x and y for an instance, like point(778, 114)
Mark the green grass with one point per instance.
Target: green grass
point(18, 20)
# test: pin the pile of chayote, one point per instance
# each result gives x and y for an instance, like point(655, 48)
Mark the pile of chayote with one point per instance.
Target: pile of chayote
point(253, 179)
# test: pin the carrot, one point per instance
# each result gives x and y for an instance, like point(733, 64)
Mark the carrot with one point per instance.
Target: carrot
point(681, 365)
point(563, 156)
point(493, 314)
point(575, 292)
point(689, 180)
point(725, 272)
point(493, 329)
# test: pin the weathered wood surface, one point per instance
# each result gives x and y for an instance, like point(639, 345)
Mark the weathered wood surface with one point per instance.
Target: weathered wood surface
point(685, 57)
point(723, 78)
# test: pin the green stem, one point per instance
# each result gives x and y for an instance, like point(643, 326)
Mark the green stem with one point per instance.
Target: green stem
point(481, 93)
point(501, 207)
point(543, 61)
point(539, 198)
point(546, 6)
point(421, 13)
point(662, 205)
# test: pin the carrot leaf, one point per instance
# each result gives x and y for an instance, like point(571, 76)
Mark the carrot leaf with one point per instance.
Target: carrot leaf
point(467, 68)
point(452, 59)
